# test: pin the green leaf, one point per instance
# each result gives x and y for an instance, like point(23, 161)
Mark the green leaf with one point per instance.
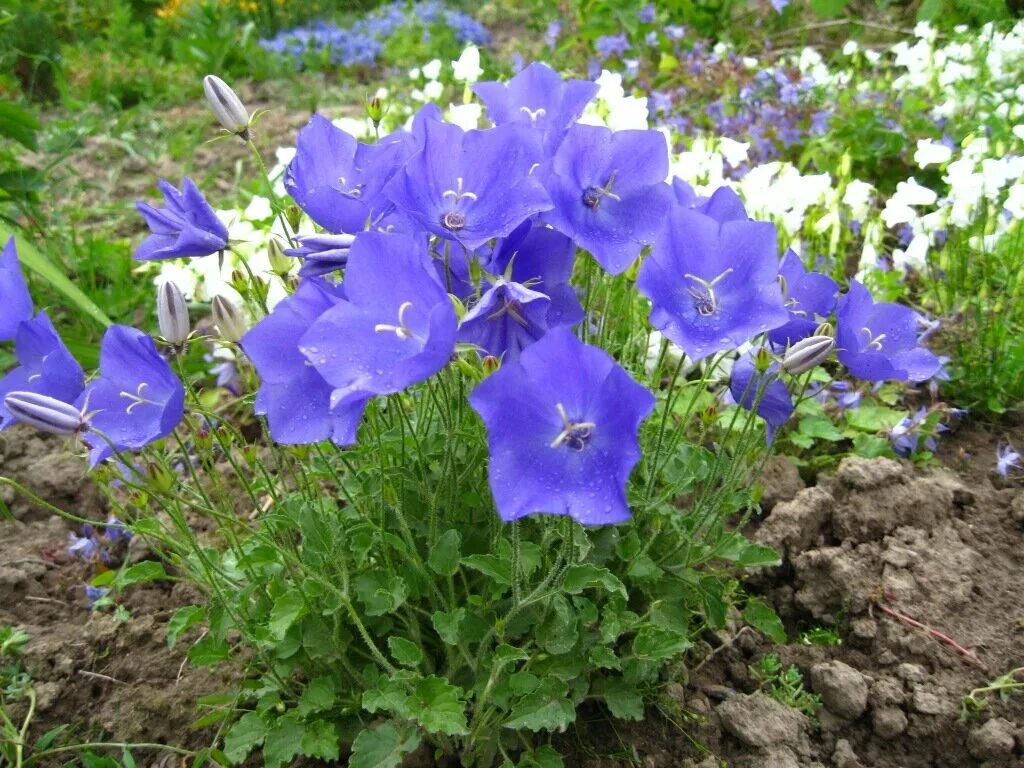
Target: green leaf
point(406, 652)
point(54, 275)
point(580, 577)
point(930, 10)
point(761, 617)
point(287, 609)
point(820, 428)
point(446, 624)
point(381, 593)
point(545, 756)
point(828, 8)
point(148, 570)
point(604, 658)
point(243, 736)
point(318, 696)
point(437, 705)
point(282, 742)
point(19, 124)
point(389, 695)
point(542, 711)
point(444, 555)
point(505, 653)
point(496, 567)
point(874, 418)
point(559, 631)
point(383, 747)
point(623, 699)
point(320, 741)
point(871, 446)
point(185, 617)
point(655, 644)
point(208, 650)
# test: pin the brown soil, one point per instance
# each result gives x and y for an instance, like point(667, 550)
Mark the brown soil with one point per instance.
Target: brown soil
point(939, 545)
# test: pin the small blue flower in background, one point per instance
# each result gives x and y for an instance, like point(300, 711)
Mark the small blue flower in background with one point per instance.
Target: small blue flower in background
point(647, 14)
point(46, 367)
point(321, 254)
point(713, 286)
point(611, 45)
point(115, 530)
point(395, 327)
point(293, 396)
point(94, 594)
point(337, 180)
point(539, 98)
point(912, 432)
point(136, 400)
point(471, 186)
point(810, 298)
point(879, 341)
point(609, 191)
point(562, 431)
point(747, 387)
point(187, 227)
point(15, 301)
point(507, 319)
point(86, 546)
point(1006, 459)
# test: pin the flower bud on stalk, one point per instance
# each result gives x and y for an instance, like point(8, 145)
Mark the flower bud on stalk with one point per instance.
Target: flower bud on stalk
point(279, 263)
point(227, 107)
point(808, 353)
point(762, 360)
point(375, 110)
point(228, 319)
point(45, 413)
point(172, 313)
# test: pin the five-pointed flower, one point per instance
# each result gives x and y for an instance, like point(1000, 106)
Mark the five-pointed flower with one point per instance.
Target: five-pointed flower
point(136, 399)
point(562, 431)
point(713, 286)
point(879, 341)
point(810, 297)
point(293, 396)
point(15, 301)
point(767, 391)
point(609, 191)
point(508, 318)
point(470, 186)
point(187, 227)
point(395, 327)
point(46, 367)
point(539, 98)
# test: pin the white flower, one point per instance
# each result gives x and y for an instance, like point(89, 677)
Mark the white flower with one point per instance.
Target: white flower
point(609, 86)
point(857, 197)
point(432, 69)
point(414, 73)
point(915, 256)
point(930, 152)
point(258, 209)
point(433, 90)
point(467, 68)
point(466, 116)
point(850, 48)
point(734, 152)
point(361, 128)
point(873, 57)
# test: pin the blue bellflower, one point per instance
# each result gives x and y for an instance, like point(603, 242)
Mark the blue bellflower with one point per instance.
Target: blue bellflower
point(321, 254)
point(562, 431)
point(747, 388)
point(878, 341)
point(337, 180)
point(46, 367)
point(507, 319)
point(136, 400)
point(293, 396)
point(713, 286)
point(810, 298)
point(539, 98)
point(15, 301)
point(470, 186)
point(187, 227)
point(395, 327)
point(608, 191)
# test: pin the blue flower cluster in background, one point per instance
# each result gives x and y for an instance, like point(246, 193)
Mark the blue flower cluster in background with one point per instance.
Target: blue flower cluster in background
point(362, 42)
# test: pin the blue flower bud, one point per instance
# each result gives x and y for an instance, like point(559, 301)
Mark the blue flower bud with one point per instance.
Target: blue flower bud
point(172, 313)
point(228, 318)
point(226, 106)
point(45, 413)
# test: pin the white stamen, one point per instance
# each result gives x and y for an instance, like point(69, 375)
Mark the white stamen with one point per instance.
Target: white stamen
point(457, 193)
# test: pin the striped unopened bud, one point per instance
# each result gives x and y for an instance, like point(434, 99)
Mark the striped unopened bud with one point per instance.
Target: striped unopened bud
point(44, 413)
point(228, 318)
point(808, 353)
point(172, 313)
point(226, 106)
point(279, 263)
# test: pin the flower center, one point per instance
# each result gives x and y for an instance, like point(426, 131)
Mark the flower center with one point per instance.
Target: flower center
point(402, 331)
point(136, 399)
point(533, 114)
point(453, 221)
point(874, 342)
point(593, 195)
point(704, 299)
point(574, 435)
point(511, 308)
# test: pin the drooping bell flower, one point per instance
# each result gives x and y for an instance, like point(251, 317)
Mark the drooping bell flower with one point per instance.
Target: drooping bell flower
point(539, 98)
point(748, 387)
point(293, 396)
point(15, 300)
point(337, 180)
point(46, 367)
point(879, 341)
point(395, 327)
point(470, 186)
point(810, 298)
point(508, 318)
point(187, 227)
point(713, 286)
point(562, 431)
point(608, 191)
point(136, 399)
point(321, 254)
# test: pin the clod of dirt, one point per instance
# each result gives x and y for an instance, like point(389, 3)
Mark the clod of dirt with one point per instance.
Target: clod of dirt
point(992, 741)
point(1017, 508)
point(799, 524)
point(889, 722)
point(780, 481)
point(844, 690)
point(844, 756)
point(760, 721)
